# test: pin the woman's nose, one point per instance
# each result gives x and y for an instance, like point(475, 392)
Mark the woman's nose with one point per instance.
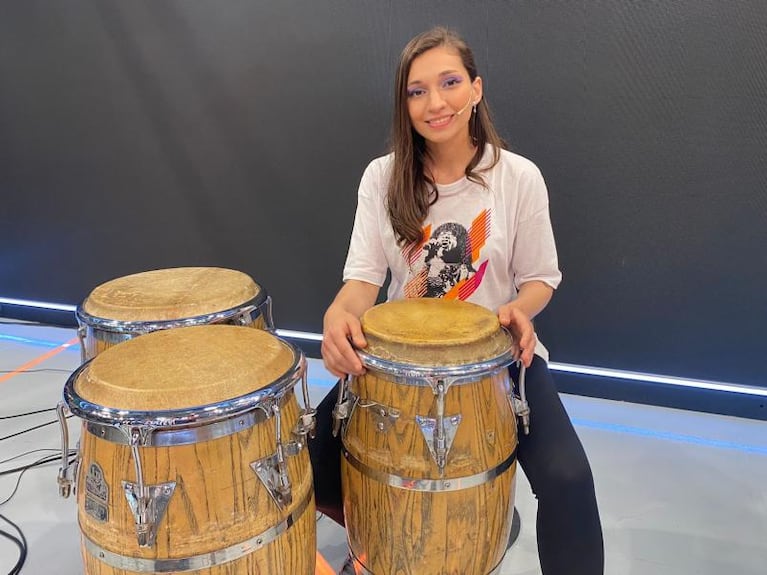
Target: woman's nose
point(436, 101)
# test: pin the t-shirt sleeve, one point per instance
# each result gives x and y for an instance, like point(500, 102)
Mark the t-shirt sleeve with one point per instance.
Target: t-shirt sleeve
point(535, 254)
point(366, 259)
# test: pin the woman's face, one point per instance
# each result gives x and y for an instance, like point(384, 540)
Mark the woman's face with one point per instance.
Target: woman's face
point(440, 96)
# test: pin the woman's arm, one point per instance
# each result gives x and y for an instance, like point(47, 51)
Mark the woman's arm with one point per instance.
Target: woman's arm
point(532, 298)
point(341, 327)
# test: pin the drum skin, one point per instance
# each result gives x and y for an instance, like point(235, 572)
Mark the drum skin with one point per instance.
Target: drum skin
point(160, 299)
point(395, 530)
point(218, 501)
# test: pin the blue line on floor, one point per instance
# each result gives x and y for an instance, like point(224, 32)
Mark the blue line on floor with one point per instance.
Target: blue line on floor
point(322, 382)
point(31, 341)
point(669, 436)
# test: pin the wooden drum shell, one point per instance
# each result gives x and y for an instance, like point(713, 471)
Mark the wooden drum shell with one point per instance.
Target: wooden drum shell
point(202, 405)
point(399, 530)
point(218, 502)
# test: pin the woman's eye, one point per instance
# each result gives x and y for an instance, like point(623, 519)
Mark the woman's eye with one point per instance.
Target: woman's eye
point(451, 81)
point(415, 92)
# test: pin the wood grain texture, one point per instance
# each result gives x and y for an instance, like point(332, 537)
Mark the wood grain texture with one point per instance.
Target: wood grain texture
point(218, 502)
point(405, 532)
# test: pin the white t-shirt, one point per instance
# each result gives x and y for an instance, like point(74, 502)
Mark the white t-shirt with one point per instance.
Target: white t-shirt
point(480, 244)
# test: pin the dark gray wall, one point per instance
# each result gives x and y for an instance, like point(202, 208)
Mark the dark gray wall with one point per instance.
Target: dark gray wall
point(145, 134)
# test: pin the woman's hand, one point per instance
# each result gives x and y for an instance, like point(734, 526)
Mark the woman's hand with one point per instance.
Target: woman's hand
point(517, 315)
point(341, 328)
point(521, 329)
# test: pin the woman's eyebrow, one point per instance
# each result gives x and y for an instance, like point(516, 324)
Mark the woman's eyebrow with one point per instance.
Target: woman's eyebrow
point(441, 74)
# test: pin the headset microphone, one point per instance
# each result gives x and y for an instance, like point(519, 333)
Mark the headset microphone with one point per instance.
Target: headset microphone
point(467, 106)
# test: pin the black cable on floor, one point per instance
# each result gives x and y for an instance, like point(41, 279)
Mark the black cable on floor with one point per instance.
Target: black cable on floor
point(21, 543)
point(42, 461)
point(25, 414)
point(24, 468)
point(47, 369)
point(12, 435)
point(22, 551)
point(23, 431)
point(20, 455)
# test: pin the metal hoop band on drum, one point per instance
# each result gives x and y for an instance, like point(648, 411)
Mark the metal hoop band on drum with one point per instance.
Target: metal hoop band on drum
point(432, 485)
point(420, 375)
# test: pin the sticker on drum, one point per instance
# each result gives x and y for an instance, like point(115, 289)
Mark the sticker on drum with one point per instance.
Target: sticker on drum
point(133, 305)
point(96, 493)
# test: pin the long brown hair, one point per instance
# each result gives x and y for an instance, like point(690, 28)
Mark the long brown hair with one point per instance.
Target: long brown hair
point(411, 189)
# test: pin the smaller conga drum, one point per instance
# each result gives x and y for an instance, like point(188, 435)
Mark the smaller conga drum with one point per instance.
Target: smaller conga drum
point(191, 456)
point(430, 441)
point(133, 305)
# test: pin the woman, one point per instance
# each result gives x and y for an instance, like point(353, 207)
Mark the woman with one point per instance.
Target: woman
point(450, 213)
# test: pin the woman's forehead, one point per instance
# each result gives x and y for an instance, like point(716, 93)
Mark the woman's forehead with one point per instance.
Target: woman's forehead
point(435, 62)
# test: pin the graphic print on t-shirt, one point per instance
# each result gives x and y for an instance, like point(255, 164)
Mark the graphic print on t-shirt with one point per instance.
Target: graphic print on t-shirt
point(449, 257)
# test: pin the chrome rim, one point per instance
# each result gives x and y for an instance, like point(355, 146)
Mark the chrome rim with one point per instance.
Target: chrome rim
point(188, 416)
point(113, 326)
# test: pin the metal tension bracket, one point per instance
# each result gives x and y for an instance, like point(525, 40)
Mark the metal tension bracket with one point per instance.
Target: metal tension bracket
point(439, 432)
point(273, 469)
point(148, 503)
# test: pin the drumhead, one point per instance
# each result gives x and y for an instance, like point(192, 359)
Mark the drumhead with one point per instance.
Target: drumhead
point(185, 367)
point(170, 294)
point(433, 332)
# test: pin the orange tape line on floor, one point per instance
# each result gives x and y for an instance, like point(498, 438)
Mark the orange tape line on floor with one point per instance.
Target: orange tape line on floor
point(363, 557)
point(323, 567)
point(38, 360)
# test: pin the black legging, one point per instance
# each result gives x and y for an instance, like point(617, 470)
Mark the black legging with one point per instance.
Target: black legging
point(552, 457)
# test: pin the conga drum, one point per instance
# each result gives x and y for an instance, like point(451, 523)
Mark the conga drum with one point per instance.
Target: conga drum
point(133, 305)
point(191, 456)
point(429, 445)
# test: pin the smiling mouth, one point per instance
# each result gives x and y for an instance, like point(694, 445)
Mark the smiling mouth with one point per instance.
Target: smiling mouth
point(439, 122)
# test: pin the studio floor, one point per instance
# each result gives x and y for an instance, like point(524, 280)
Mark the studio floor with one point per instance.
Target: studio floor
point(680, 493)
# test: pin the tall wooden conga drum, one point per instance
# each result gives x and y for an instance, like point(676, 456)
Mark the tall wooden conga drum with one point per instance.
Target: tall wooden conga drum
point(192, 455)
point(133, 305)
point(429, 460)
